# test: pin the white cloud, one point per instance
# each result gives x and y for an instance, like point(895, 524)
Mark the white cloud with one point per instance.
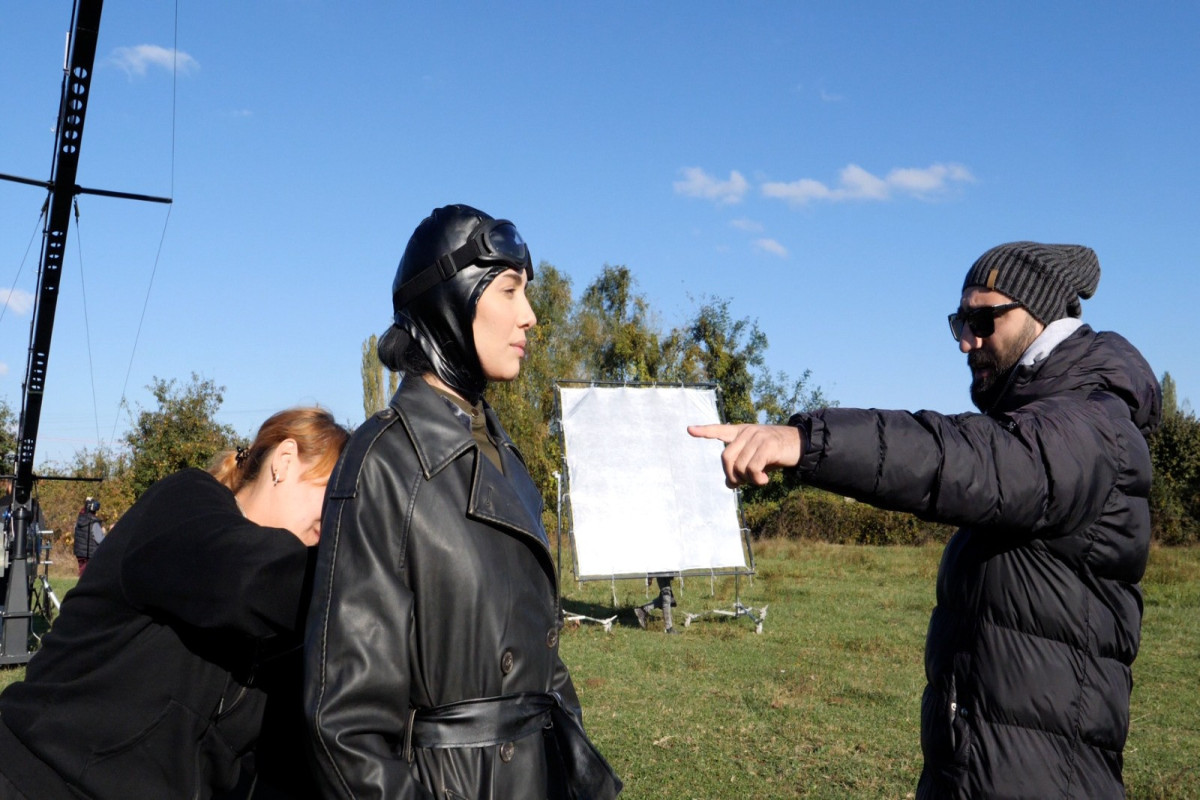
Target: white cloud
point(3, 368)
point(748, 225)
point(931, 180)
point(797, 192)
point(855, 183)
point(18, 300)
point(770, 246)
point(137, 60)
point(698, 183)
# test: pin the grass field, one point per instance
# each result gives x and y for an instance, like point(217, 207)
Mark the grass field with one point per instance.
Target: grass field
point(824, 702)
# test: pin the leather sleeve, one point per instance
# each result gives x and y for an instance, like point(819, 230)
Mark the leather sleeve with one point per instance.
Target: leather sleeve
point(359, 634)
point(563, 684)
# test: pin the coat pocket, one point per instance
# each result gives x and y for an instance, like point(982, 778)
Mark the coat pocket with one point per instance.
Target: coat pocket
point(161, 754)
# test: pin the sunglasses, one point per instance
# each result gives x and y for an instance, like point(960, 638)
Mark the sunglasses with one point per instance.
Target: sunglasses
point(981, 321)
point(493, 242)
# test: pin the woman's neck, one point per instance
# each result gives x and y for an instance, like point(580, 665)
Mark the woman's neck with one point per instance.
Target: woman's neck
point(433, 380)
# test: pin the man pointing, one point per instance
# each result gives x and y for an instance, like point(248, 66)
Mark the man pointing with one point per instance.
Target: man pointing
point(1039, 611)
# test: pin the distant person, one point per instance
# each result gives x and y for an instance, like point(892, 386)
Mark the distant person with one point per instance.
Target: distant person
point(664, 602)
point(432, 663)
point(181, 641)
point(1038, 605)
point(89, 532)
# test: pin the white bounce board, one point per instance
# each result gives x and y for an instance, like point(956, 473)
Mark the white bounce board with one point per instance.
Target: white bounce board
point(645, 497)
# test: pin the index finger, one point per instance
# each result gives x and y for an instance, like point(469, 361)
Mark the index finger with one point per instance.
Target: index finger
point(724, 433)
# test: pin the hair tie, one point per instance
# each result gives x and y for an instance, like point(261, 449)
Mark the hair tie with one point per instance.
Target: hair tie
point(242, 454)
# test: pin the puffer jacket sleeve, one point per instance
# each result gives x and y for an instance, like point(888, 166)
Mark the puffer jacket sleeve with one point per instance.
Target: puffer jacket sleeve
point(359, 634)
point(1045, 469)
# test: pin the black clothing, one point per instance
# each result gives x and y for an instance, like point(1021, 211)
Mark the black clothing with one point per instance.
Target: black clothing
point(435, 585)
point(87, 535)
point(154, 679)
point(1038, 611)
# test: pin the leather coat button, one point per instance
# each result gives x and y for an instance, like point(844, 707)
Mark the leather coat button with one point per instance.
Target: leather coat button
point(552, 638)
point(506, 662)
point(387, 413)
point(506, 751)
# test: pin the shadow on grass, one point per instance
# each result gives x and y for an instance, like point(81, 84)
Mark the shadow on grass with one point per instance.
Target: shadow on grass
point(625, 616)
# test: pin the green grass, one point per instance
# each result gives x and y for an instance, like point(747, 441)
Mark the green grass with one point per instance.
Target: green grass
point(824, 703)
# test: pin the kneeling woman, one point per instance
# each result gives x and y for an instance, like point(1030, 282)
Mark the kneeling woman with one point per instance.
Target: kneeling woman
point(431, 658)
point(154, 679)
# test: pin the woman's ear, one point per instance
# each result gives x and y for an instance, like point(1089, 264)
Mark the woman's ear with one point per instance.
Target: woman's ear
point(282, 459)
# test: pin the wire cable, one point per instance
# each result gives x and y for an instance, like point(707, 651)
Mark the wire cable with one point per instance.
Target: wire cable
point(123, 402)
point(40, 224)
point(87, 328)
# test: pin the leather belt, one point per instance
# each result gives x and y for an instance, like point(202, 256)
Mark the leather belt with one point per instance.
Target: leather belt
point(507, 718)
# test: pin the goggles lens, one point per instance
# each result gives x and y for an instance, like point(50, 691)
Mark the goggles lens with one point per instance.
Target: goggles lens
point(981, 321)
point(505, 244)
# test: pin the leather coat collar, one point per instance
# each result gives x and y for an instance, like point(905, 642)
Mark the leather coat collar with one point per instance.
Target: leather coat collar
point(439, 439)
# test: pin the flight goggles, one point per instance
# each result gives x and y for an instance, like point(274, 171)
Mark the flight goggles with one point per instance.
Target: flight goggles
point(494, 241)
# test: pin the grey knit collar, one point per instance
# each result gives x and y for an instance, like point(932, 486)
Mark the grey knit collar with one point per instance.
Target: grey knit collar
point(1054, 335)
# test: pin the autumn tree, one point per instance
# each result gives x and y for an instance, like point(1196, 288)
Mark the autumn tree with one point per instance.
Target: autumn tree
point(617, 333)
point(102, 473)
point(1170, 399)
point(1175, 454)
point(181, 432)
point(8, 438)
point(379, 383)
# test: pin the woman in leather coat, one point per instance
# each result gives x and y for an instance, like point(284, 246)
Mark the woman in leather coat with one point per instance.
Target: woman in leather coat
point(171, 652)
point(432, 665)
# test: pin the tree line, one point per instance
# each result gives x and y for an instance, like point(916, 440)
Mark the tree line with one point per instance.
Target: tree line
point(608, 333)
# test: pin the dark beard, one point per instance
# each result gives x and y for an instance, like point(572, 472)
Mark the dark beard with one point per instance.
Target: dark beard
point(986, 391)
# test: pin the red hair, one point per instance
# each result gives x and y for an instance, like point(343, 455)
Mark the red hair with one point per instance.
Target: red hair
point(319, 439)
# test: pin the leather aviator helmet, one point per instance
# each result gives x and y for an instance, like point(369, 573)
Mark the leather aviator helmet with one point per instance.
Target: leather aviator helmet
point(451, 258)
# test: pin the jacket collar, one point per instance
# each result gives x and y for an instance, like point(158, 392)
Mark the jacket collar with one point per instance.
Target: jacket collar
point(509, 500)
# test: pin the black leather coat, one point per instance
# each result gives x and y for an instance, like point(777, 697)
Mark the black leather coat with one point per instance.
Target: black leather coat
point(1038, 611)
point(435, 584)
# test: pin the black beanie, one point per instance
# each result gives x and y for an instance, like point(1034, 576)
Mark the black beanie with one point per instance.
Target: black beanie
point(1047, 279)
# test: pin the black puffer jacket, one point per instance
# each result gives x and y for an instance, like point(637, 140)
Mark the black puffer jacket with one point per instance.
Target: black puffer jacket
point(1039, 610)
point(434, 585)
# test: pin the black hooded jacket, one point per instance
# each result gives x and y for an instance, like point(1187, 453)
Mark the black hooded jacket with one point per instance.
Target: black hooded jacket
point(1038, 611)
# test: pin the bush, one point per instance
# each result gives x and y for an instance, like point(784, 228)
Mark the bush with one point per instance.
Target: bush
point(816, 515)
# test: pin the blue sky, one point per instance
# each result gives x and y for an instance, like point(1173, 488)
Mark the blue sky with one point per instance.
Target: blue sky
point(832, 169)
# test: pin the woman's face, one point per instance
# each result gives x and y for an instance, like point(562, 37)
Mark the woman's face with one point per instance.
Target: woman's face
point(297, 501)
point(502, 317)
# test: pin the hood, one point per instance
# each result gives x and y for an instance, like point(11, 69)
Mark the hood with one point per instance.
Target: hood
point(1086, 362)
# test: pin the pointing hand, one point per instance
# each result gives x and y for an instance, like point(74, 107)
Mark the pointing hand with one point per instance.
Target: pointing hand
point(751, 451)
